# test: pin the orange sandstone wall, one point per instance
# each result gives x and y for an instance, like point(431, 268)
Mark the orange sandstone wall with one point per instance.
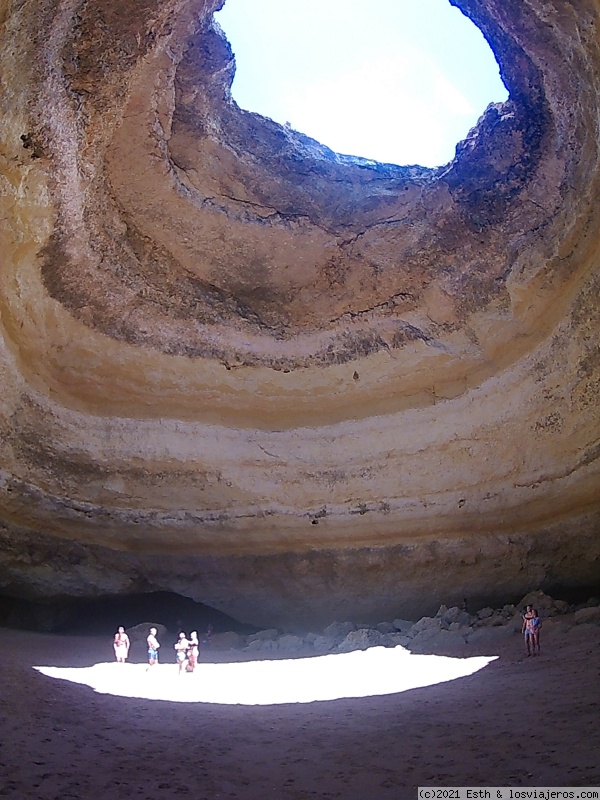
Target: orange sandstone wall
point(293, 385)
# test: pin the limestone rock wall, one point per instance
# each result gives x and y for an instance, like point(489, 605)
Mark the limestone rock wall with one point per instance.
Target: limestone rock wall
point(293, 385)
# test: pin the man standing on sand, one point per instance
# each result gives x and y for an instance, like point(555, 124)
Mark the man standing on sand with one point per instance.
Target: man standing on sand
point(153, 645)
point(531, 630)
point(526, 628)
point(121, 645)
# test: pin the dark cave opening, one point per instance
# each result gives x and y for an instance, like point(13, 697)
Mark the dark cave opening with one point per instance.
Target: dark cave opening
point(101, 616)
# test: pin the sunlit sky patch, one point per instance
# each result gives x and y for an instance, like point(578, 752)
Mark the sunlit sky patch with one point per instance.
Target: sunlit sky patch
point(377, 671)
point(398, 81)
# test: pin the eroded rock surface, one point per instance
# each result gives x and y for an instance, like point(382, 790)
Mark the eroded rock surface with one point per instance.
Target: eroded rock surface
point(292, 385)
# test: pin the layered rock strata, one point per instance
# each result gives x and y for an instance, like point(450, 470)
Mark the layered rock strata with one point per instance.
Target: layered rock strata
point(292, 385)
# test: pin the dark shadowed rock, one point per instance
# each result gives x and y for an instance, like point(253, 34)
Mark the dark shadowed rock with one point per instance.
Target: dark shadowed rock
point(227, 641)
point(452, 615)
point(321, 644)
point(395, 640)
point(402, 625)
point(338, 631)
point(425, 624)
point(361, 639)
point(269, 634)
point(290, 643)
point(585, 615)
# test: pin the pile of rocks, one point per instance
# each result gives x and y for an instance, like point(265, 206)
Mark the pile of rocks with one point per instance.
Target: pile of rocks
point(449, 631)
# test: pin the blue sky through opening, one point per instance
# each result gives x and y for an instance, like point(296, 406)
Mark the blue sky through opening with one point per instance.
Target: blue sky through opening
point(398, 81)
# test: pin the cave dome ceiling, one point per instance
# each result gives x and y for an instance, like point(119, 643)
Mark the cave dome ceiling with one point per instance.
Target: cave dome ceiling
point(291, 384)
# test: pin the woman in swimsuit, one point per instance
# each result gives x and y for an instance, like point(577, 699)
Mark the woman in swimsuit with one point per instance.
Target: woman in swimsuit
point(536, 624)
point(193, 652)
point(181, 649)
point(121, 645)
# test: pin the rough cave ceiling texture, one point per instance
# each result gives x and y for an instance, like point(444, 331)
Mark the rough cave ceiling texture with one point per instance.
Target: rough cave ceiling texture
point(292, 385)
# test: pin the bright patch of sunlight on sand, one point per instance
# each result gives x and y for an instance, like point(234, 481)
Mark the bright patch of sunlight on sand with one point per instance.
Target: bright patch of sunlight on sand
point(377, 671)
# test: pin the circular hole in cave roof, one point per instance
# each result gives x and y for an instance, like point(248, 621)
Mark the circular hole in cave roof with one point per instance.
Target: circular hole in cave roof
point(395, 81)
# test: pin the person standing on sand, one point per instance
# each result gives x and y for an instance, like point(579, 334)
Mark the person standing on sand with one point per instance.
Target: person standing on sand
point(153, 645)
point(121, 645)
point(193, 652)
point(536, 624)
point(526, 628)
point(181, 648)
point(531, 630)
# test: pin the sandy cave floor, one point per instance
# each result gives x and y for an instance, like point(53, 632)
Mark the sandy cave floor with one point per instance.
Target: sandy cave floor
point(519, 721)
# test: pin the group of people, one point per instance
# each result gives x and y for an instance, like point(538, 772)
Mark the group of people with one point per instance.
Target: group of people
point(531, 630)
point(187, 650)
